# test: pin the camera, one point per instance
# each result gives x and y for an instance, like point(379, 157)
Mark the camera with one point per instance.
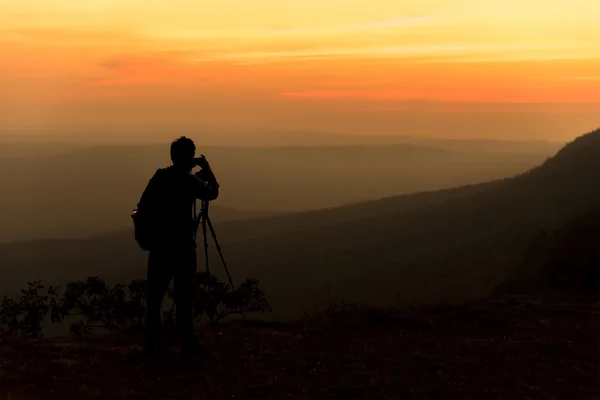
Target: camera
point(200, 161)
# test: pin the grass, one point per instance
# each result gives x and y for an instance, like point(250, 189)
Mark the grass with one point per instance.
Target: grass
point(506, 348)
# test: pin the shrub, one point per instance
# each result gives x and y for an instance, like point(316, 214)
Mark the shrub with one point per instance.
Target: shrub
point(24, 318)
point(120, 307)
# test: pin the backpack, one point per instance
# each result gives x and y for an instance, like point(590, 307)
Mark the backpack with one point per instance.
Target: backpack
point(144, 216)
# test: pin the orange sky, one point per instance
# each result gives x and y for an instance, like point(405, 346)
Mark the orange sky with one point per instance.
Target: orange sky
point(443, 67)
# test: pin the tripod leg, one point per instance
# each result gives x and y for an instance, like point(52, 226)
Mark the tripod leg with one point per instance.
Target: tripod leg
point(214, 235)
point(205, 244)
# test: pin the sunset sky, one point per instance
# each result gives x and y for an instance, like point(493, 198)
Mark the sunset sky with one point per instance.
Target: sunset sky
point(444, 68)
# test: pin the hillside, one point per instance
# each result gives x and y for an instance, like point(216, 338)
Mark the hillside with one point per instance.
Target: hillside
point(92, 190)
point(503, 349)
point(563, 262)
point(426, 247)
point(66, 259)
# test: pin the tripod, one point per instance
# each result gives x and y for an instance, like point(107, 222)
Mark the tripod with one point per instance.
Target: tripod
point(203, 219)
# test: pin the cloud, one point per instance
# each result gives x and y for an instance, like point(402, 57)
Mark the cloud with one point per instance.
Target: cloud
point(144, 69)
point(112, 64)
point(569, 54)
point(125, 81)
point(580, 78)
point(128, 62)
point(127, 70)
point(388, 23)
point(62, 36)
point(269, 32)
point(462, 52)
point(493, 94)
point(363, 94)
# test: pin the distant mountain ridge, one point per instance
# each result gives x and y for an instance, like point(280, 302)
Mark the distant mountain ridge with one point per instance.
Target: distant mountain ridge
point(92, 190)
point(264, 137)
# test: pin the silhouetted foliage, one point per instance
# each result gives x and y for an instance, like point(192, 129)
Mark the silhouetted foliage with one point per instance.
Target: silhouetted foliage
point(217, 300)
point(24, 317)
point(120, 307)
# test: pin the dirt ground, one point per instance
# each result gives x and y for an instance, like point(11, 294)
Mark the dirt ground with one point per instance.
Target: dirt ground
point(502, 349)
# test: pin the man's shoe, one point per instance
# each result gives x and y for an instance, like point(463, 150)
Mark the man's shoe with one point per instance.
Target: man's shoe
point(194, 350)
point(155, 351)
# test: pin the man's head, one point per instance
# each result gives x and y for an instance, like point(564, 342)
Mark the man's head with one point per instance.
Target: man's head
point(183, 151)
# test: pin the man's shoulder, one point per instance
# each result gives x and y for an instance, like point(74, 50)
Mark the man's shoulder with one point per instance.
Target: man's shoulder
point(164, 170)
point(162, 173)
point(173, 177)
point(160, 178)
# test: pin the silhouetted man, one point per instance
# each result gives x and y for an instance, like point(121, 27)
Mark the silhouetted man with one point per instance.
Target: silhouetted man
point(174, 190)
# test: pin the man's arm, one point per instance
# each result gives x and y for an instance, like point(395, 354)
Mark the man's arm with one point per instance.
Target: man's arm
point(205, 185)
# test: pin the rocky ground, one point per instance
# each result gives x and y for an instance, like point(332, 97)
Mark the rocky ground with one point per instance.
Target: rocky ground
point(501, 349)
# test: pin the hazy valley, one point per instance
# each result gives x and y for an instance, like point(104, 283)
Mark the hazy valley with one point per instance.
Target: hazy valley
point(74, 189)
point(429, 246)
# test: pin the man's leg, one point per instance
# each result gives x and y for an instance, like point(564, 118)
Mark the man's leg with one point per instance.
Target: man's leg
point(185, 282)
point(159, 278)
